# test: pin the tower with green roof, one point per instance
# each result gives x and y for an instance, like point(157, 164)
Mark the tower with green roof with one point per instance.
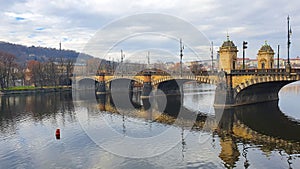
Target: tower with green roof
point(227, 56)
point(265, 57)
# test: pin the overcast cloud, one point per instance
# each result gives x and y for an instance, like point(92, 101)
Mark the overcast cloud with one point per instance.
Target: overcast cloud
point(75, 22)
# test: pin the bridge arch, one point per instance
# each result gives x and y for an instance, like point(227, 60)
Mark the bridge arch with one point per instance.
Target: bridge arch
point(264, 79)
point(172, 85)
point(122, 84)
point(138, 80)
point(260, 89)
point(199, 79)
point(86, 83)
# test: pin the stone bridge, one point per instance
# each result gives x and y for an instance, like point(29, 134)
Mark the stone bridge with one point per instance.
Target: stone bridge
point(238, 87)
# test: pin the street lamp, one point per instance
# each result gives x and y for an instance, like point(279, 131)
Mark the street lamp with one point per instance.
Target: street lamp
point(181, 55)
point(278, 56)
point(244, 47)
point(148, 58)
point(288, 66)
point(212, 56)
point(122, 57)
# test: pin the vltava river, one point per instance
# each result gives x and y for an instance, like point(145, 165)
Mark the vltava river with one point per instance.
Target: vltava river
point(108, 132)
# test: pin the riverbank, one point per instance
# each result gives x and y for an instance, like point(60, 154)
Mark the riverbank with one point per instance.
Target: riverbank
point(36, 90)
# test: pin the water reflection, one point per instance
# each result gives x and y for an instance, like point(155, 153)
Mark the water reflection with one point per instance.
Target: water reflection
point(263, 125)
point(35, 108)
point(241, 136)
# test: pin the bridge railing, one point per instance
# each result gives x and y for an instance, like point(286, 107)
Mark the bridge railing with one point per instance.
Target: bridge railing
point(263, 71)
point(297, 71)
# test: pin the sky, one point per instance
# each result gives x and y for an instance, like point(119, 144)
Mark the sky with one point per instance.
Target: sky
point(75, 23)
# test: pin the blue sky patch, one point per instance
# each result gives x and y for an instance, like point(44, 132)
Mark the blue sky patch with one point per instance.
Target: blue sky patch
point(40, 29)
point(31, 36)
point(19, 18)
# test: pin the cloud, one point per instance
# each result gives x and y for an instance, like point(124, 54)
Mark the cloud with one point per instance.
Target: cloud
point(79, 20)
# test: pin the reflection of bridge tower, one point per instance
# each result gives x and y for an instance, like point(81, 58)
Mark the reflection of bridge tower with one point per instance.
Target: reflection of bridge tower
point(227, 56)
point(265, 57)
point(229, 150)
point(102, 102)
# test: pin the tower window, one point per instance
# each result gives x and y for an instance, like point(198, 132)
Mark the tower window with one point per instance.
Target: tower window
point(271, 65)
point(262, 65)
point(233, 65)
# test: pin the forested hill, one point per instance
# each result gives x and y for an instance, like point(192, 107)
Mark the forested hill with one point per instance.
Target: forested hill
point(24, 53)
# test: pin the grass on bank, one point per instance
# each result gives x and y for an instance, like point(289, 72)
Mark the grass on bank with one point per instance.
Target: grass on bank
point(20, 88)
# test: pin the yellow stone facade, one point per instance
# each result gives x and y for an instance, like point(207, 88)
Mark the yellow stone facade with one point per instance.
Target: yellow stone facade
point(228, 56)
point(237, 80)
point(265, 57)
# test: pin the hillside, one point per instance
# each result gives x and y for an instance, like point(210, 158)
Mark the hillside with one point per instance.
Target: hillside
point(25, 53)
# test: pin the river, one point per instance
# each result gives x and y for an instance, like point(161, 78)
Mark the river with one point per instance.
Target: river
point(106, 131)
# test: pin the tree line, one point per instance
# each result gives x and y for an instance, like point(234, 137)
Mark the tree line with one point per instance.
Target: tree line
point(53, 72)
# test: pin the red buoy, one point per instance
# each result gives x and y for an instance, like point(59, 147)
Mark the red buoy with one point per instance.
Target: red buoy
point(57, 134)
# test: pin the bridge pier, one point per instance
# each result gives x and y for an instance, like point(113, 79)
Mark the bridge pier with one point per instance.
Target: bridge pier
point(224, 95)
point(147, 86)
point(101, 88)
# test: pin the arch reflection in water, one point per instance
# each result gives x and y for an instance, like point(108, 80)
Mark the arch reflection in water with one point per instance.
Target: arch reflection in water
point(262, 126)
point(257, 136)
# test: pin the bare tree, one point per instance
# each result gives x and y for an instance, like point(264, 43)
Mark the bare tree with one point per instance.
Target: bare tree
point(92, 66)
point(69, 70)
point(65, 71)
point(8, 64)
point(51, 72)
point(2, 75)
point(32, 72)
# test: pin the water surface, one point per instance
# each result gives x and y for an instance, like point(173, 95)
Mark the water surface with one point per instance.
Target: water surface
point(263, 135)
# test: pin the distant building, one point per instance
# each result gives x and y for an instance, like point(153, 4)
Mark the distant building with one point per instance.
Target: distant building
point(295, 62)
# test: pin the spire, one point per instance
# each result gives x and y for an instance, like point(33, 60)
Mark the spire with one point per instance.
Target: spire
point(227, 36)
point(266, 44)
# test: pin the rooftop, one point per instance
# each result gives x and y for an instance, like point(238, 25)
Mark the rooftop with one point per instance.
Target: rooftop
point(228, 43)
point(266, 48)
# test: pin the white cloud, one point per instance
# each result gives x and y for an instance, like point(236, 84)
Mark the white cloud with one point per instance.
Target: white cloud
point(77, 20)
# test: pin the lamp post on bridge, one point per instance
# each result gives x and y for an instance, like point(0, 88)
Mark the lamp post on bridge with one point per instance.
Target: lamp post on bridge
point(212, 56)
point(148, 59)
point(181, 55)
point(244, 47)
point(278, 56)
point(122, 57)
point(109, 65)
point(288, 66)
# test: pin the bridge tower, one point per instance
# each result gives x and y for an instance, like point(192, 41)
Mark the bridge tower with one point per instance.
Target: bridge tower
point(265, 57)
point(227, 56)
